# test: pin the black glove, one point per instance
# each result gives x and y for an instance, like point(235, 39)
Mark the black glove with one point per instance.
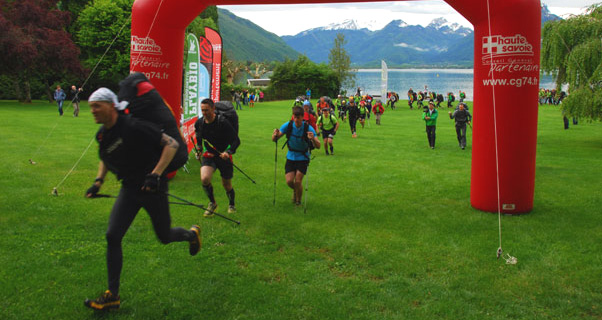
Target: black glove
point(151, 182)
point(92, 191)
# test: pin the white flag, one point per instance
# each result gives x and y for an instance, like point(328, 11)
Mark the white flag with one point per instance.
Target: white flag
point(384, 77)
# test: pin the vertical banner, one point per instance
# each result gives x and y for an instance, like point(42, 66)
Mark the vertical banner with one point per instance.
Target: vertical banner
point(188, 132)
point(190, 101)
point(384, 78)
point(216, 74)
point(206, 58)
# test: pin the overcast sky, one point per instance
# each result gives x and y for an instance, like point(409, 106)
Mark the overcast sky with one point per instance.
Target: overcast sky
point(292, 19)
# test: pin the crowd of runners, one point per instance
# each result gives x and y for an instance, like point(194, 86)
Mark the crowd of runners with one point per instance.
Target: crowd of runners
point(142, 146)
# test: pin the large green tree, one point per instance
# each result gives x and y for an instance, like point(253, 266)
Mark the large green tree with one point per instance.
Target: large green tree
point(340, 62)
point(572, 51)
point(292, 77)
point(101, 22)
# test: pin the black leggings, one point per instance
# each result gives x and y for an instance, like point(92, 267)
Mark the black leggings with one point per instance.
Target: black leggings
point(352, 123)
point(124, 211)
point(461, 134)
point(430, 134)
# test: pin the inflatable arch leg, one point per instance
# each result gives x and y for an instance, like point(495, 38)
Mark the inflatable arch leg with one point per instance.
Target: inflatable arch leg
point(506, 81)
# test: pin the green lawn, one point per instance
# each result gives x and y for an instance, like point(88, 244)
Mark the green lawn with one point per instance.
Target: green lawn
point(389, 232)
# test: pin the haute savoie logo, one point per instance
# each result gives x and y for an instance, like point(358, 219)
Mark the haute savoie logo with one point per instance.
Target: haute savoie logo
point(496, 47)
point(145, 45)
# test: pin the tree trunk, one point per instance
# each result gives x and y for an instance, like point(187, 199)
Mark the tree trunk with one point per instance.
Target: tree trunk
point(27, 91)
point(17, 90)
point(49, 93)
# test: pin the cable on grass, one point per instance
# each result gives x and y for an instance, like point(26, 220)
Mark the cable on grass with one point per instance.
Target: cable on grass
point(497, 168)
point(55, 189)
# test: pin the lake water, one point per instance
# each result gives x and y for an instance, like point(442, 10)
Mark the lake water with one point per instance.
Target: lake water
point(438, 80)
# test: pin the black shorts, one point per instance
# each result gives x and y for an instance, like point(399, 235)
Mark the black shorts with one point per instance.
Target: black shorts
point(292, 165)
point(362, 117)
point(328, 133)
point(225, 168)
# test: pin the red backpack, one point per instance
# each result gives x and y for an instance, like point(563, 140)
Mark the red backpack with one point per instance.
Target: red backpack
point(378, 108)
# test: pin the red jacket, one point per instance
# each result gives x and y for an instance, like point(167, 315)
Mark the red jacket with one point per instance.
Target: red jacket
point(309, 118)
point(378, 108)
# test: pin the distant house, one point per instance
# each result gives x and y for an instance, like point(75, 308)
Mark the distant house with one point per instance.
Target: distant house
point(258, 82)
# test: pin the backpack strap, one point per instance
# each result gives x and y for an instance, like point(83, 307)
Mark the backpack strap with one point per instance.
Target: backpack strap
point(303, 137)
point(332, 121)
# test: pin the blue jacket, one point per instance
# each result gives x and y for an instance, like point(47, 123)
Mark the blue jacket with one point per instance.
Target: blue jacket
point(59, 95)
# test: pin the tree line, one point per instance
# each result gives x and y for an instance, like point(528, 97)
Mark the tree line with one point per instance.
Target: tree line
point(45, 43)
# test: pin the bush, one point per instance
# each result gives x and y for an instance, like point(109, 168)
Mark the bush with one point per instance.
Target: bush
point(292, 78)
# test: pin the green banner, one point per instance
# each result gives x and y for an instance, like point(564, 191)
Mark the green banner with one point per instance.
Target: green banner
point(190, 106)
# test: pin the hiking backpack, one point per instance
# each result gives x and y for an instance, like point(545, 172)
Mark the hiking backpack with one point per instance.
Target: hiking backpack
point(145, 102)
point(304, 137)
point(226, 110)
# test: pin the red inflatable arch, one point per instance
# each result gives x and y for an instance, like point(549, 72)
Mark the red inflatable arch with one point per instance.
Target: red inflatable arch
point(506, 80)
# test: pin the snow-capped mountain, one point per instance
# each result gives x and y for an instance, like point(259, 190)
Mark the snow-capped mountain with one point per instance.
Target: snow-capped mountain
point(398, 42)
point(449, 28)
point(350, 24)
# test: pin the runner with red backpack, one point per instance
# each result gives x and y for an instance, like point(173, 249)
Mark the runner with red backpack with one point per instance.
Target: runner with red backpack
point(378, 110)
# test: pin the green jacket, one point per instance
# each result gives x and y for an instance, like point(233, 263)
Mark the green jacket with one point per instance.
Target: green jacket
point(327, 124)
point(433, 120)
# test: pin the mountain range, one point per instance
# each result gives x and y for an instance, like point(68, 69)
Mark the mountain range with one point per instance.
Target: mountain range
point(439, 44)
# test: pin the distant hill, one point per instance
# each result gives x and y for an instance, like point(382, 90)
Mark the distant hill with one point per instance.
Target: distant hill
point(244, 40)
point(440, 44)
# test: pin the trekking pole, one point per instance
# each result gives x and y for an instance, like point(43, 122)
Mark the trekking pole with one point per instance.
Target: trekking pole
point(101, 195)
point(246, 175)
point(201, 207)
point(196, 150)
point(231, 162)
point(275, 168)
point(305, 196)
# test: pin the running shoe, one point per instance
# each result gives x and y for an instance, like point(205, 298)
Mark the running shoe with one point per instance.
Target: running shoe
point(231, 209)
point(195, 243)
point(104, 302)
point(211, 207)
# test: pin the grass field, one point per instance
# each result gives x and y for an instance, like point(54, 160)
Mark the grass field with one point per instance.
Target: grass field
point(389, 232)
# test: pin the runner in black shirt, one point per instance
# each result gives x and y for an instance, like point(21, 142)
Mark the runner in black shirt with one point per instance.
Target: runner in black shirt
point(354, 114)
point(220, 142)
point(138, 153)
